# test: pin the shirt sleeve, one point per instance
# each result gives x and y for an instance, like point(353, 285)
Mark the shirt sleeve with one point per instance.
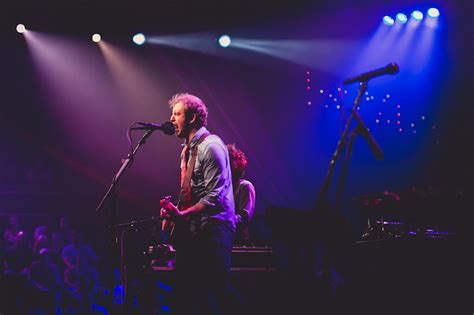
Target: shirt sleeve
point(216, 173)
point(246, 201)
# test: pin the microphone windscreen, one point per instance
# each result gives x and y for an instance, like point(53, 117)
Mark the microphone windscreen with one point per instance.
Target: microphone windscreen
point(168, 128)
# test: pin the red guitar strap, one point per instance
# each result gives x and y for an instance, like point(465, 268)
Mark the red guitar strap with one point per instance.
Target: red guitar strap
point(185, 198)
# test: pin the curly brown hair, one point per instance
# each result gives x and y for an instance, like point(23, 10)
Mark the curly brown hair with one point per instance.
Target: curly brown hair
point(194, 105)
point(238, 161)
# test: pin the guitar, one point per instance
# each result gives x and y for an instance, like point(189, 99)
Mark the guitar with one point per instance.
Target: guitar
point(166, 211)
point(172, 220)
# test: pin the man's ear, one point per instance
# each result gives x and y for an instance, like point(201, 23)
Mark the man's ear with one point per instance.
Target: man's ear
point(193, 119)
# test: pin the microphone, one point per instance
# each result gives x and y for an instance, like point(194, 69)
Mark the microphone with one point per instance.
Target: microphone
point(391, 68)
point(166, 127)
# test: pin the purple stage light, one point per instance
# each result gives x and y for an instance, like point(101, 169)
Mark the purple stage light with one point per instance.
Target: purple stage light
point(139, 39)
point(225, 41)
point(20, 28)
point(96, 38)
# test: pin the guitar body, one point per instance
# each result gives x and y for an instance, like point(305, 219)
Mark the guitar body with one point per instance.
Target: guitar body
point(177, 228)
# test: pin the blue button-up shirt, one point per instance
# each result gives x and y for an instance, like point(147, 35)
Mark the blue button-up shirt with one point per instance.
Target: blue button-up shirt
point(211, 182)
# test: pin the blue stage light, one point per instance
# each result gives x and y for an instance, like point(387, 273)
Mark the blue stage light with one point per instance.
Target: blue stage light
point(402, 18)
point(388, 20)
point(417, 15)
point(224, 41)
point(433, 12)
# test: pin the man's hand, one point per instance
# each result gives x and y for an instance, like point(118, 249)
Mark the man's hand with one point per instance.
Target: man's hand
point(238, 218)
point(169, 210)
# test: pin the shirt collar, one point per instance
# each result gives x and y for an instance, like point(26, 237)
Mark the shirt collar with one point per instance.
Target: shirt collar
point(196, 137)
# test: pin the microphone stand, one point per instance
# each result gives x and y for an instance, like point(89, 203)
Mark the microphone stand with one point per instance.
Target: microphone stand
point(361, 130)
point(321, 202)
point(111, 196)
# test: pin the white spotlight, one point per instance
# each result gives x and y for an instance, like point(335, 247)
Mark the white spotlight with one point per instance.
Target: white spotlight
point(224, 41)
point(433, 12)
point(20, 28)
point(96, 38)
point(139, 39)
point(417, 15)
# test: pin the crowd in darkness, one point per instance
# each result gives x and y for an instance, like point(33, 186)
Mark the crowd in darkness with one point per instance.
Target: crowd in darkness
point(46, 268)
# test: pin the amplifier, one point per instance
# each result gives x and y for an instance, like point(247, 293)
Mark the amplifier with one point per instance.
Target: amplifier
point(253, 258)
point(244, 258)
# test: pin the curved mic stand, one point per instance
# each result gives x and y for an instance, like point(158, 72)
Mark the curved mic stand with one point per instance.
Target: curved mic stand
point(126, 163)
point(111, 196)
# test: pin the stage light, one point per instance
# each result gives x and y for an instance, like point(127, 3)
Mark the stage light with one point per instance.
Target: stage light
point(20, 28)
point(388, 20)
point(224, 41)
point(417, 15)
point(139, 39)
point(96, 38)
point(433, 12)
point(402, 18)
